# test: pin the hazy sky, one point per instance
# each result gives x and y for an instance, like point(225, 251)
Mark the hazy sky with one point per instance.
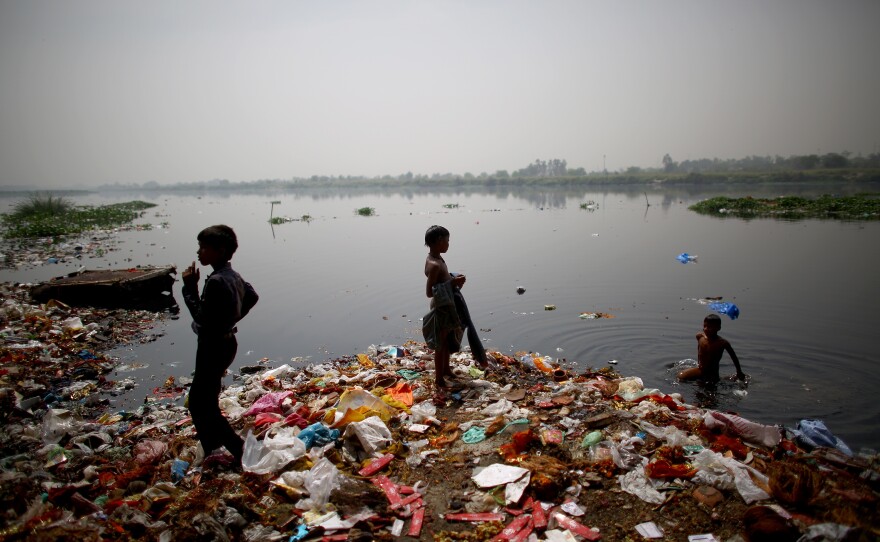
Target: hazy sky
point(96, 92)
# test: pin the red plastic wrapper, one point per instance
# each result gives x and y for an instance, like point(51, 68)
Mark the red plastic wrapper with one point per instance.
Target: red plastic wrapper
point(415, 526)
point(523, 535)
point(389, 487)
point(576, 527)
point(412, 498)
point(513, 528)
point(661, 468)
point(722, 443)
point(376, 464)
point(539, 517)
point(481, 516)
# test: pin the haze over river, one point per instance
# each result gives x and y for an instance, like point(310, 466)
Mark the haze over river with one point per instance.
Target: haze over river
point(807, 290)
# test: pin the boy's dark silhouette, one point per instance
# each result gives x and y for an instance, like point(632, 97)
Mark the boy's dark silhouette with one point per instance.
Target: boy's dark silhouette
point(226, 298)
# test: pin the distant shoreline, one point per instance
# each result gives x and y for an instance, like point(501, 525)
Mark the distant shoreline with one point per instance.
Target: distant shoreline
point(622, 180)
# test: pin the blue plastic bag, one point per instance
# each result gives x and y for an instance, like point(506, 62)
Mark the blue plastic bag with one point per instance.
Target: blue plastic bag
point(178, 470)
point(318, 434)
point(813, 433)
point(724, 307)
point(684, 257)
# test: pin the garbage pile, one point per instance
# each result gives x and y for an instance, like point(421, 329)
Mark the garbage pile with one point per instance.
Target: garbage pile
point(362, 448)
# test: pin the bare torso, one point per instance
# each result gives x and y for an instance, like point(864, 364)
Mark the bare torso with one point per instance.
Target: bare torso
point(709, 352)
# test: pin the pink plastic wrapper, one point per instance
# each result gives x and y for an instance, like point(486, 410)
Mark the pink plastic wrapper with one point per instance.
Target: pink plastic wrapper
point(271, 402)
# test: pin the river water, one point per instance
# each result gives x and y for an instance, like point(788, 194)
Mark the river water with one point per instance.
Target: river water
point(807, 290)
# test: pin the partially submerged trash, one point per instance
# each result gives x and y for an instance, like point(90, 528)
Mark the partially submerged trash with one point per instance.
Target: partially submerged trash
point(594, 315)
point(684, 257)
point(724, 307)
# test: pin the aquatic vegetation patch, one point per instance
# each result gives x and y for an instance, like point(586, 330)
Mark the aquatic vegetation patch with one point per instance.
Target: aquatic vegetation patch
point(858, 207)
point(589, 205)
point(59, 219)
point(366, 211)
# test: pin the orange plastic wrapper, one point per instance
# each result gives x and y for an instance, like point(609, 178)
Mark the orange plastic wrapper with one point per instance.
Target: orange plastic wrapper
point(518, 444)
point(447, 436)
point(402, 392)
point(661, 468)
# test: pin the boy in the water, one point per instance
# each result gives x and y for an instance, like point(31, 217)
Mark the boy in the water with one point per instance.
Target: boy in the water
point(710, 348)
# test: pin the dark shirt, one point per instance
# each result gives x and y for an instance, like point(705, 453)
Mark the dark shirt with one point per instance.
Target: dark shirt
point(226, 299)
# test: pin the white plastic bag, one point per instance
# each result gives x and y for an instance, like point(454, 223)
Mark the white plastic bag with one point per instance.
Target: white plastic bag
point(274, 452)
point(320, 481)
point(372, 433)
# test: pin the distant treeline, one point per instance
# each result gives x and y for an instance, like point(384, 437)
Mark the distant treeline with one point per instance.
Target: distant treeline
point(830, 167)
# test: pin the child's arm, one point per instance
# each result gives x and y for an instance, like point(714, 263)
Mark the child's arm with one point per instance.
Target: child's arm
point(433, 277)
point(739, 374)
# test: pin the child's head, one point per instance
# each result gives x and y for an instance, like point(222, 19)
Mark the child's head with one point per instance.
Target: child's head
point(221, 238)
point(434, 234)
point(712, 323)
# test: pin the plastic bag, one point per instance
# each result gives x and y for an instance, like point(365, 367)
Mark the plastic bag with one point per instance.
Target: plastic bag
point(424, 411)
point(274, 452)
point(271, 402)
point(317, 434)
point(372, 434)
point(57, 422)
point(319, 481)
point(813, 433)
point(149, 451)
point(724, 307)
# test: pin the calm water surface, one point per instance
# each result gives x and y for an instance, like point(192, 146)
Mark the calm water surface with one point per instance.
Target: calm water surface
point(807, 290)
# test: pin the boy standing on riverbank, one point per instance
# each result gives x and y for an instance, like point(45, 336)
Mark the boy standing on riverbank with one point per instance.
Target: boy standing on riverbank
point(710, 348)
point(226, 298)
point(442, 326)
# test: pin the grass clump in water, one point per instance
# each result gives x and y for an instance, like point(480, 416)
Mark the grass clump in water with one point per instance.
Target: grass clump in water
point(366, 211)
point(41, 204)
point(45, 215)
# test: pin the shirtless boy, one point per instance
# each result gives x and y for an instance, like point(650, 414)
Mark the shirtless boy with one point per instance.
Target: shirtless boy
point(437, 240)
point(710, 348)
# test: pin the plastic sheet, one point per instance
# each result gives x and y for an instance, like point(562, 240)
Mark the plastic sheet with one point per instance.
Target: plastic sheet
point(355, 398)
point(636, 483)
point(726, 473)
